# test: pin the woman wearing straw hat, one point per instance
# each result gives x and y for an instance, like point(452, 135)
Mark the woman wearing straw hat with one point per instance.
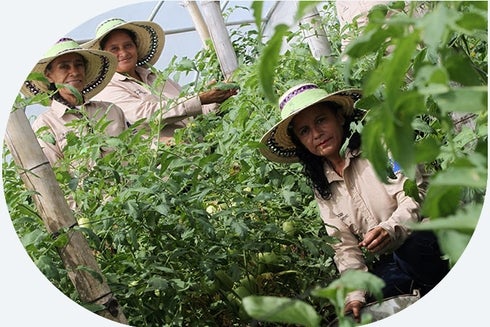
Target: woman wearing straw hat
point(71, 76)
point(138, 45)
point(357, 208)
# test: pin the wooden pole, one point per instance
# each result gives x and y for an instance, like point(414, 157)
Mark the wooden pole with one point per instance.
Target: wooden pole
point(219, 36)
point(38, 176)
point(316, 36)
point(198, 20)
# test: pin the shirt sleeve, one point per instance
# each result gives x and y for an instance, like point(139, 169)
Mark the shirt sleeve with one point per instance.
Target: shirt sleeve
point(48, 143)
point(407, 210)
point(138, 102)
point(348, 255)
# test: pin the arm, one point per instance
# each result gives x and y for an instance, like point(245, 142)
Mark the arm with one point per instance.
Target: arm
point(348, 255)
point(138, 102)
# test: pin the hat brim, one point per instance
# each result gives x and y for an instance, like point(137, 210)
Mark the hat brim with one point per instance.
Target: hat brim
point(99, 69)
point(150, 39)
point(277, 144)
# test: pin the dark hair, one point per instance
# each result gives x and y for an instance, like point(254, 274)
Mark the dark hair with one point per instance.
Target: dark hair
point(312, 164)
point(130, 33)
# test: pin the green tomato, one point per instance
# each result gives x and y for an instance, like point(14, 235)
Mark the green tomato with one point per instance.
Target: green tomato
point(288, 227)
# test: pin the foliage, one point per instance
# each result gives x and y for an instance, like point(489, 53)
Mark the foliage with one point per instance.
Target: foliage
point(185, 233)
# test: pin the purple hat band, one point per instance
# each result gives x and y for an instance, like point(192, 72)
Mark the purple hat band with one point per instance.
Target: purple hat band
point(294, 93)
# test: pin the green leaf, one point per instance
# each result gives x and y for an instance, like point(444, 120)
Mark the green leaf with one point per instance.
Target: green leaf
point(352, 280)
point(281, 310)
point(268, 61)
point(411, 189)
point(373, 148)
point(466, 99)
point(453, 243)
point(434, 26)
point(463, 173)
point(472, 22)
point(441, 200)
point(464, 221)
point(303, 7)
point(257, 7)
point(427, 149)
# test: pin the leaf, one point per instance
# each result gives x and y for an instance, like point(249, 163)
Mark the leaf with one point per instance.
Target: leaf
point(303, 7)
point(453, 244)
point(281, 310)
point(463, 173)
point(257, 7)
point(464, 221)
point(352, 280)
point(434, 26)
point(441, 201)
point(268, 61)
point(466, 99)
point(427, 149)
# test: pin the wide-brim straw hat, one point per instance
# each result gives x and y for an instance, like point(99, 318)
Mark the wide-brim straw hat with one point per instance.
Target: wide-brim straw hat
point(100, 66)
point(150, 38)
point(278, 144)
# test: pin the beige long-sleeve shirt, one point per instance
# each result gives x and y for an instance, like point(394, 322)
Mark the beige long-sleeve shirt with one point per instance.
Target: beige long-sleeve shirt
point(360, 202)
point(57, 117)
point(142, 100)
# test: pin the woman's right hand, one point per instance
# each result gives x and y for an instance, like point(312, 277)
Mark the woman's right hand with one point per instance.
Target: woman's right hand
point(354, 307)
point(216, 95)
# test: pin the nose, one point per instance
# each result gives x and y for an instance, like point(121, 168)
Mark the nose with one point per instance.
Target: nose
point(316, 132)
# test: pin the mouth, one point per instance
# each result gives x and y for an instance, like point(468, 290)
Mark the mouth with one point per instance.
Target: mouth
point(323, 143)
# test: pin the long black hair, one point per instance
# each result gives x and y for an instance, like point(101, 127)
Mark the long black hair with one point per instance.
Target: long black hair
point(312, 164)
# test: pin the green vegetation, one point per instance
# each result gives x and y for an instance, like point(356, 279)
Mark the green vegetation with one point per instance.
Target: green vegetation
point(186, 234)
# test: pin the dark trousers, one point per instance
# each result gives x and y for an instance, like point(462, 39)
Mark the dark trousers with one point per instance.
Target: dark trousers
point(417, 264)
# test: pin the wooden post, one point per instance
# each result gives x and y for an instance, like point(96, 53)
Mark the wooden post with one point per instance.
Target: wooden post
point(38, 176)
point(316, 36)
point(198, 20)
point(219, 35)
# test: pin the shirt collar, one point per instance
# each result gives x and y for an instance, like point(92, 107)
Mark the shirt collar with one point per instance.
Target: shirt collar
point(332, 174)
point(143, 72)
point(60, 109)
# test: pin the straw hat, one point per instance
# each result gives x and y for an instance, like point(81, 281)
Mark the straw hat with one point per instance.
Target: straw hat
point(278, 144)
point(150, 38)
point(99, 69)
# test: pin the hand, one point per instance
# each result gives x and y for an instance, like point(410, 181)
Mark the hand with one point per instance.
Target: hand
point(376, 240)
point(216, 95)
point(354, 307)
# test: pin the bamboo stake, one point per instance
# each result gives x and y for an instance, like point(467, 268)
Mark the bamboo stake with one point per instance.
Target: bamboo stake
point(198, 20)
point(219, 35)
point(38, 176)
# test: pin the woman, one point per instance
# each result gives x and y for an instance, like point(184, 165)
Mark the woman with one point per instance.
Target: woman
point(71, 76)
point(137, 46)
point(358, 209)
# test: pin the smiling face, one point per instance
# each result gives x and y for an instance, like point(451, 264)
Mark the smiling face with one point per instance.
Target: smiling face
point(320, 129)
point(120, 44)
point(67, 69)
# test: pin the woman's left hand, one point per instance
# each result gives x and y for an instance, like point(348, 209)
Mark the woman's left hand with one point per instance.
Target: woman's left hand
point(376, 240)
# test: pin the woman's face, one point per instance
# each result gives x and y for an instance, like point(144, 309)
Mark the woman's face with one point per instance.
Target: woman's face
point(120, 44)
point(67, 69)
point(320, 129)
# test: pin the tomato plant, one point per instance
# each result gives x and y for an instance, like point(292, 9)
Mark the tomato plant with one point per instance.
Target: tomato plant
point(185, 233)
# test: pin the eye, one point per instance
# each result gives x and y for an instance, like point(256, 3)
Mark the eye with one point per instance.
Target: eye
point(320, 120)
point(303, 131)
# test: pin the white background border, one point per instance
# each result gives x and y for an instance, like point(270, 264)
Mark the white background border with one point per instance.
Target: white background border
point(28, 298)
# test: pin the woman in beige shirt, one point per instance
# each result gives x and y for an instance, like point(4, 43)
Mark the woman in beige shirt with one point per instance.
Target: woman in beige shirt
point(137, 46)
point(82, 73)
point(358, 209)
